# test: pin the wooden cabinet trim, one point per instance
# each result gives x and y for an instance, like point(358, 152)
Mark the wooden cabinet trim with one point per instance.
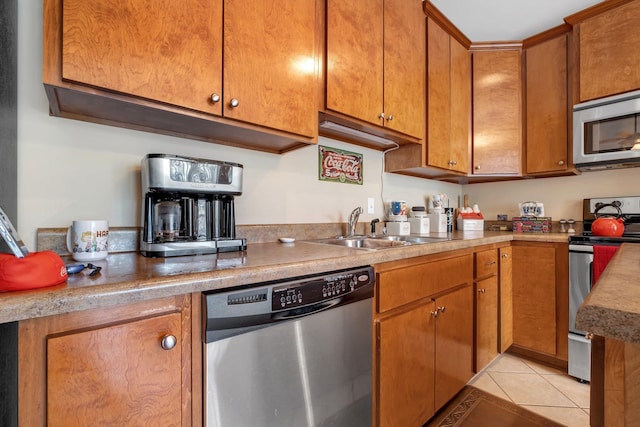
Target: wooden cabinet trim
point(594, 10)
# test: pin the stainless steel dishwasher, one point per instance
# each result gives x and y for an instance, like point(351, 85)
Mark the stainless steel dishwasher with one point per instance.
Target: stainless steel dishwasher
point(290, 353)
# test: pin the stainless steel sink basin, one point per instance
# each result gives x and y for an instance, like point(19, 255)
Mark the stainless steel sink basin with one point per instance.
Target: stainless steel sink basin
point(379, 242)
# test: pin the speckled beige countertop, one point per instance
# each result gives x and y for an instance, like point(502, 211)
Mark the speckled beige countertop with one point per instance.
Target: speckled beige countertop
point(129, 277)
point(612, 308)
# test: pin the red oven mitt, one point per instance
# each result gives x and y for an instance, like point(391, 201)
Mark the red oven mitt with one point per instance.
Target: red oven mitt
point(36, 270)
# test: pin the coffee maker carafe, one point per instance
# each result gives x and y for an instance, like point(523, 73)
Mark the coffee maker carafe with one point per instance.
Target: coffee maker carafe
point(188, 206)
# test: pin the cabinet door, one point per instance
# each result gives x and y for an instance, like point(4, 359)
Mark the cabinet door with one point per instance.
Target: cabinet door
point(486, 321)
point(274, 83)
point(144, 48)
point(454, 343)
point(609, 54)
point(106, 366)
point(116, 375)
point(405, 367)
point(534, 298)
point(497, 112)
point(460, 106)
point(404, 66)
point(547, 106)
point(448, 100)
point(354, 43)
point(506, 298)
point(438, 97)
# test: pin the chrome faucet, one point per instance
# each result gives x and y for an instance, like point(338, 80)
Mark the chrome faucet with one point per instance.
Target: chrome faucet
point(353, 221)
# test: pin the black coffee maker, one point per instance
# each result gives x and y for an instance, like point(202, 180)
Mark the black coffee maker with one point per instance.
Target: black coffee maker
point(187, 206)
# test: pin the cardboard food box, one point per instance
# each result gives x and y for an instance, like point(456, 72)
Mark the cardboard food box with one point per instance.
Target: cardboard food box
point(531, 224)
point(470, 221)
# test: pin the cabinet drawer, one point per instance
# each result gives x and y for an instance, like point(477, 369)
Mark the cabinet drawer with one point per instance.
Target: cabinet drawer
point(486, 263)
point(408, 284)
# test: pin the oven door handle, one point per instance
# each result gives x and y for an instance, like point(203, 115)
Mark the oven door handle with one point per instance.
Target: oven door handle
point(581, 248)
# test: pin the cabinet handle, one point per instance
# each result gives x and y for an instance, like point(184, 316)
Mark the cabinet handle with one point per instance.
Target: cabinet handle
point(234, 103)
point(455, 162)
point(482, 290)
point(561, 162)
point(435, 313)
point(168, 342)
point(381, 116)
point(390, 117)
point(490, 262)
point(441, 309)
point(215, 98)
point(478, 167)
point(505, 255)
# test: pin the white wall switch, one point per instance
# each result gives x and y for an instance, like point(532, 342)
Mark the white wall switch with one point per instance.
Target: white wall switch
point(370, 205)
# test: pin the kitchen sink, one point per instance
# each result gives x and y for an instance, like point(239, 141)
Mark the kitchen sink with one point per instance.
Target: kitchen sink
point(379, 242)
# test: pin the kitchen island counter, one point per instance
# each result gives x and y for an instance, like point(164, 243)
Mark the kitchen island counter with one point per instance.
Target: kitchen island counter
point(130, 277)
point(612, 308)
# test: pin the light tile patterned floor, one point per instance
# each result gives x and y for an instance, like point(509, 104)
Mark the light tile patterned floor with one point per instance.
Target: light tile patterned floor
point(536, 387)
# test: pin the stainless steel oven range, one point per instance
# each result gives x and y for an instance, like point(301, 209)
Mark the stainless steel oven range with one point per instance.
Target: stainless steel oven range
point(581, 271)
point(291, 353)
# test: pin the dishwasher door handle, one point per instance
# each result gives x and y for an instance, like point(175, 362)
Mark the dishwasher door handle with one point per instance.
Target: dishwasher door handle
point(305, 311)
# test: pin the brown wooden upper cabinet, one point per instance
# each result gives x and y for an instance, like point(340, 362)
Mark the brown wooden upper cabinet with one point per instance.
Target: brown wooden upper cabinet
point(375, 67)
point(448, 100)
point(608, 50)
point(186, 70)
point(547, 106)
point(497, 112)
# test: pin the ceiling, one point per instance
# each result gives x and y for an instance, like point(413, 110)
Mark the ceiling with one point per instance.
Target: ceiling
point(502, 20)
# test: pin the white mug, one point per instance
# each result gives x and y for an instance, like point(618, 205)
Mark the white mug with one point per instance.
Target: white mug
point(88, 240)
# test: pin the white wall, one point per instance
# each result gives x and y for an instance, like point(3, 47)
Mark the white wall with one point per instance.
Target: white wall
point(74, 170)
point(562, 196)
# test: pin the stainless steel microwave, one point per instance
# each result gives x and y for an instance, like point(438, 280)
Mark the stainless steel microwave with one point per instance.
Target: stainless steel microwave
point(606, 132)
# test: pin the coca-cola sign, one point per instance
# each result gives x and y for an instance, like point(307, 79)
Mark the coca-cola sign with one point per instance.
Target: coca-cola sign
point(339, 165)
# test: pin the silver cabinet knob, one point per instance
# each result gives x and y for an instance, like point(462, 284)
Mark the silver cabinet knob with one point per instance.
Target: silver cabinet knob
point(234, 103)
point(482, 290)
point(215, 98)
point(381, 116)
point(478, 167)
point(435, 313)
point(390, 117)
point(442, 309)
point(561, 162)
point(168, 342)
point(455, 162)
point(505, 255)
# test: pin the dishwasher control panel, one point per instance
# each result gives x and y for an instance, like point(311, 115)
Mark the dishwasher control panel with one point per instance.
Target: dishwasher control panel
point(312, 291)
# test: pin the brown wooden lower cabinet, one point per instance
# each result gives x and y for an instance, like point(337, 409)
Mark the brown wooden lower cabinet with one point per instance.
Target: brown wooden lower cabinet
point(486, 307)
point(540, 301)
point(124, 365)
point(486, 322)
point(423, 325)
point(615, 383)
